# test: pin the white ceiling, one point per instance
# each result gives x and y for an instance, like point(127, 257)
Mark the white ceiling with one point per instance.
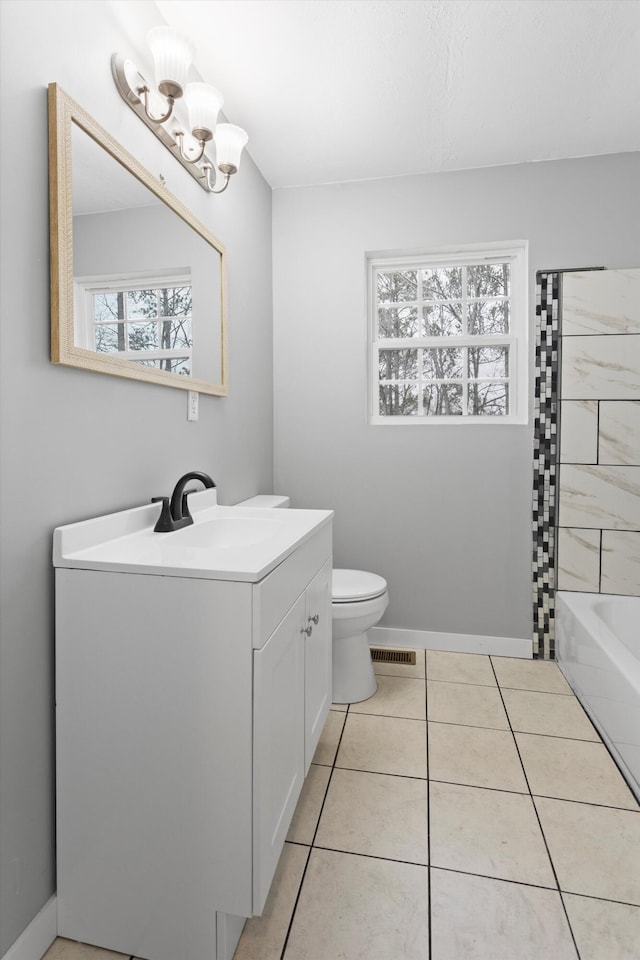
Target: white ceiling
point(333, 90)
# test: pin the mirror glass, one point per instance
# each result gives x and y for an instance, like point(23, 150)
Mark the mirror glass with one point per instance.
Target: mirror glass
point(138, 284)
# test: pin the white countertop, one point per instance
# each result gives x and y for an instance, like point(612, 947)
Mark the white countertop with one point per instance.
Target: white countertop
point(223, 543)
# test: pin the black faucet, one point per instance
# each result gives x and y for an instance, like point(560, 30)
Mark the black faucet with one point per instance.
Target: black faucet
point(175, 513)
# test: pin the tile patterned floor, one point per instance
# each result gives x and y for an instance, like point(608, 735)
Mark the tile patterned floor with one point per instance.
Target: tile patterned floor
point(467, 811)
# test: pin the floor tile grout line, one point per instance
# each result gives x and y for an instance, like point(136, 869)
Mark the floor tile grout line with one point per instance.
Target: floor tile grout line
point(383, 773)
point(311, 845)
point(546, 693)
point(473, 726)
point(489, 876)
point(333, 768)
point(528, 792)
point(587, 803)
point(481, 786)
point(537, 886)
point(592, 896)
point(557, 736)
point(391, 716)
point(370, 856)
point(295, 903)
point(393, 676)
point(398, 676)
point(542, 833)
point(511, 729)
point(502, 686)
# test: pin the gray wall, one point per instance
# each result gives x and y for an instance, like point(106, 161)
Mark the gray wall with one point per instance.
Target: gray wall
point(443, 512)
point(77, 444)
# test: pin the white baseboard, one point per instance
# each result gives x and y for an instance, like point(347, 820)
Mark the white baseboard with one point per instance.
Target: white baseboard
point(34, 942)
point(453, 642)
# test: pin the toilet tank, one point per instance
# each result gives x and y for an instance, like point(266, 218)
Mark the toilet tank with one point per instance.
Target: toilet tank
point(265, 500)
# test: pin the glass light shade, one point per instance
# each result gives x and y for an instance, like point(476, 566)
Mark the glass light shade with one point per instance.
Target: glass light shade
point(172, 57)
point(229, 143)
point(204, 103)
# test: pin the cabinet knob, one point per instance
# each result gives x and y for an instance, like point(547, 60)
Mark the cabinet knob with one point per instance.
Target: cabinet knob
point(314, 619)
point(307, 630)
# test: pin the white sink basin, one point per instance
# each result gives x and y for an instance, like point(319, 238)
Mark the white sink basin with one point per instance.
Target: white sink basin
point(224, 543)
point(225, 533)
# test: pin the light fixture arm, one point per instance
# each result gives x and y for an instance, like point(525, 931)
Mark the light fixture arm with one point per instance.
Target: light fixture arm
point(186, 157)
point(144, 92)
point(211, 182)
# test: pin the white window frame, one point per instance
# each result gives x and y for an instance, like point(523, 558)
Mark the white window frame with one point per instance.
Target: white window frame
point(516, 253)
point(84, 289)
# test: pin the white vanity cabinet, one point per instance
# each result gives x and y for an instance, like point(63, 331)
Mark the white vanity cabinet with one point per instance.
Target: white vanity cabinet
point(187, 709)
point(292, 694)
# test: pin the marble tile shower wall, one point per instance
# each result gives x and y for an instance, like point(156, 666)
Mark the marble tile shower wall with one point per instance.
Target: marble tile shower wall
point(598, 535)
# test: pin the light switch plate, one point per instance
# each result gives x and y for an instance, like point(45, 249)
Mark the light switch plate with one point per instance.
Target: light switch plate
point(193, 402)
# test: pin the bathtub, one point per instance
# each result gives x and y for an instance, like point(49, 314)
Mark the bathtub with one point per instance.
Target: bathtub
point(598, 650)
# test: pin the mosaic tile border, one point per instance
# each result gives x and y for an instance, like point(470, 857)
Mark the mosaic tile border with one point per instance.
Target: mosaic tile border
point(545, 461)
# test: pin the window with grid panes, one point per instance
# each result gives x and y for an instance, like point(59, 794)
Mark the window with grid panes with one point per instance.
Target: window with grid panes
point(145, 321)
point(448, 337)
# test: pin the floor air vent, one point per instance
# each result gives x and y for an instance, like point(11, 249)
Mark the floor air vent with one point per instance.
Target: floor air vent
point(393, 656)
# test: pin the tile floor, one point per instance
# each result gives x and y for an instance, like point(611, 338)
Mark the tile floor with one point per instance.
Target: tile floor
point(467, 811)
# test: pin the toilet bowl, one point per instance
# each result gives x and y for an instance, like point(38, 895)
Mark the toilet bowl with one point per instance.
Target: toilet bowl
point(358, 600)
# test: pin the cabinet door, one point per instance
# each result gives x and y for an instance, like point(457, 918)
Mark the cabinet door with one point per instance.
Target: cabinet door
point(278, 743)
point(318, 672)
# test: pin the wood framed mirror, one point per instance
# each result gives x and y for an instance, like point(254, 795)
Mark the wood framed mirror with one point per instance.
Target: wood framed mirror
point(138, 284)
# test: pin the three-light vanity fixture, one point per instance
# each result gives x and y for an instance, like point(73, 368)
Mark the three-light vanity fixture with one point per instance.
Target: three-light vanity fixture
point(172, 55)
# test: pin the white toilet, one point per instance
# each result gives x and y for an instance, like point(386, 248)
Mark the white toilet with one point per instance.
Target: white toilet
point(358, 600)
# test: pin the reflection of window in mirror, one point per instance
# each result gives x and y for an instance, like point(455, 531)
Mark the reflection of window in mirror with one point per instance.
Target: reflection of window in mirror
point(144, 319)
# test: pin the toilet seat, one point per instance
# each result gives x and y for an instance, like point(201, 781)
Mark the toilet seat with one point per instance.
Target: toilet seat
point(353, 586)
